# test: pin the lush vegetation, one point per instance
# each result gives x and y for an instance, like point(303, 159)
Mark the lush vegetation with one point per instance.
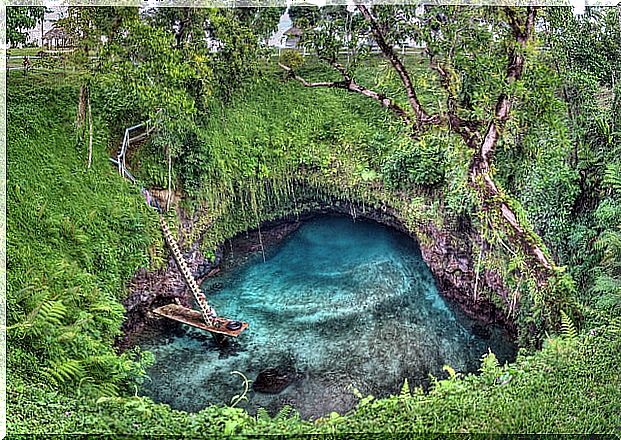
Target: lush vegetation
point(75, 237)
point(570, 386)
point(242, 148)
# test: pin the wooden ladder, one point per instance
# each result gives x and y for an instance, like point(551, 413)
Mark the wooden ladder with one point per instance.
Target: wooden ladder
point(185, 271)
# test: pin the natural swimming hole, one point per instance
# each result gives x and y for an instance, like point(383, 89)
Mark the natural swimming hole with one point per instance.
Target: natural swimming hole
point(337, 305)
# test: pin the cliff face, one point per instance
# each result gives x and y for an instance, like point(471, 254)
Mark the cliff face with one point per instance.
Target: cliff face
point(446, 250)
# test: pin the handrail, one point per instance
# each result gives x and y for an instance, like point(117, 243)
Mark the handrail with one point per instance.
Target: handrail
point(120, 157)
point(207, 311)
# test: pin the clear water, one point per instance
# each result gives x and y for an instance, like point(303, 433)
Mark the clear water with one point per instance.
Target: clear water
point(342, 304)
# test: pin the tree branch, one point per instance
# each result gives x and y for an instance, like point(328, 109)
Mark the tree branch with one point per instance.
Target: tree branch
point(467, 129)
point(422, 117)
point(480, 168)
point(514, 73)
point(351, 86)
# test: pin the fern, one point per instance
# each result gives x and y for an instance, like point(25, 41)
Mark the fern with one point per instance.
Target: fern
point(607, 285)
point(51, 313)
point(614, 326)
point(489, 364)
point(568, 327)
point(612, 177)
point(47, 314)
point(106, 389)
point(64, 372)
point(262, 414)
point(284, 413)
point(405, 389)
point(103, 366)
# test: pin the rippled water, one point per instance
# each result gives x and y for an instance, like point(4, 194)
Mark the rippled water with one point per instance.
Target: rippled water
point(338, 304)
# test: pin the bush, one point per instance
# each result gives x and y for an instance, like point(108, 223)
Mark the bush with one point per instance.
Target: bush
point(291, 58)
point(422, 163)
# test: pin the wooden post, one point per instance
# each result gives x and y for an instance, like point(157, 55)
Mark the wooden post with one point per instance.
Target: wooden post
point(90, 131)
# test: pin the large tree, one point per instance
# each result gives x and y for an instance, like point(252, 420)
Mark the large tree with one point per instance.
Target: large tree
point(478, 74)
point(477, 54)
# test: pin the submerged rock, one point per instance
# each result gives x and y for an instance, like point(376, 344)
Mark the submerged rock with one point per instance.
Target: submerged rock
point(273, 380)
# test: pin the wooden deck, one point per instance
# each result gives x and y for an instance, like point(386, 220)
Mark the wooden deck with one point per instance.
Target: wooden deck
point(193, 317)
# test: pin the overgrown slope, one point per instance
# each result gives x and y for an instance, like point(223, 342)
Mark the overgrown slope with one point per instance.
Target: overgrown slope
point(75, 236)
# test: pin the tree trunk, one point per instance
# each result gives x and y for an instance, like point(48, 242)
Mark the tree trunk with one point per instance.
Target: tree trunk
point(80, 118)
point(481, 166)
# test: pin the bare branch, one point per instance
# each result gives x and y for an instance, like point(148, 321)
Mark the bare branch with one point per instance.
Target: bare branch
point(351, 86)
point(422, 117)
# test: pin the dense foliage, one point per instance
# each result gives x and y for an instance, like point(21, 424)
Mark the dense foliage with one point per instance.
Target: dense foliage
point(75, 237)
point(19, 19)
point(237, 140)
point(589, 65)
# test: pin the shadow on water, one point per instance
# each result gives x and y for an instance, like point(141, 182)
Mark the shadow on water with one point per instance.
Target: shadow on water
point(337, 305)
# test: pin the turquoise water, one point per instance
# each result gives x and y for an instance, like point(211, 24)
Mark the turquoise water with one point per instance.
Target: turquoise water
point(338, 304)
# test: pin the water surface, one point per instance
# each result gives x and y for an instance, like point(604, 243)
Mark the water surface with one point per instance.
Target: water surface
point(338, 304)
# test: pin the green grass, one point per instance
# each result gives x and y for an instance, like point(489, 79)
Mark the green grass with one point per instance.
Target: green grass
point(24, 51)
point(75, 236)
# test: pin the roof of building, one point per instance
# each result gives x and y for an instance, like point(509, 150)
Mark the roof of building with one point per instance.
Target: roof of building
point(294, 32)
point(56, 33)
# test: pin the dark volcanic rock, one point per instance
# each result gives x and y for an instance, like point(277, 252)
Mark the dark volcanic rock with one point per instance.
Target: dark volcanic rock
point(481, 331)
point(273, 380)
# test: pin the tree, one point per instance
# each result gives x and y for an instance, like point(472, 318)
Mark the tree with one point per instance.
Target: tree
point(478, 56)
point(453, 39)
point(179, 59)
point(20, 19)
point(90, 27)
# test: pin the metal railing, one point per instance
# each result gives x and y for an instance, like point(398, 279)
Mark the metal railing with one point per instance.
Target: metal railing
point(127, 140)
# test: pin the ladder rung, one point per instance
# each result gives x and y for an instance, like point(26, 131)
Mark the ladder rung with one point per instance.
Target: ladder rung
point(184, 269)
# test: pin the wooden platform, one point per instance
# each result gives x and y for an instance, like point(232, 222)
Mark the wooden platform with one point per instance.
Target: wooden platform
point(193, 317)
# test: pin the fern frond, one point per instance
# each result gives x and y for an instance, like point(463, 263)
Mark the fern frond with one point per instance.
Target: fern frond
point(405, 389)
point(103, 366)
point(50, 313)
point(64, 372)
point(107, 389)
point(262, 414)
point(607, 285)
point(284, 413)
point(612, 177)
point(568, 327)
point(615, 326)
